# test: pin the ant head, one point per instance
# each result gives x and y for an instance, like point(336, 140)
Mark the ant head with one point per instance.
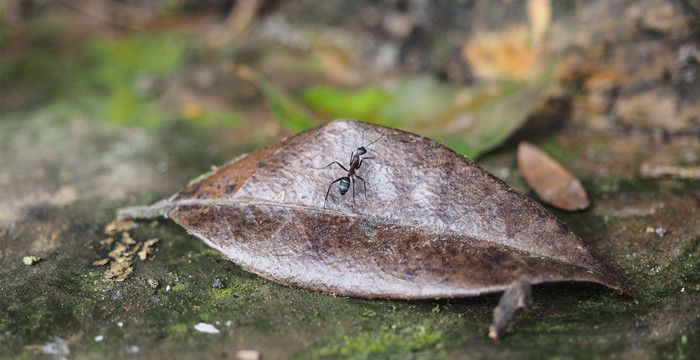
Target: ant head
point(362, 150)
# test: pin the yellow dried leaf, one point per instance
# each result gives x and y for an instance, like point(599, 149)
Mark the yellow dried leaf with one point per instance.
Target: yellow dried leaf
point(118, 226)
point(119, 270)
point(147, 248)
point(552, 182)
point(540, 14)
point(100, 262)
point(127, 239)
point(118, 251)
point(508, 54)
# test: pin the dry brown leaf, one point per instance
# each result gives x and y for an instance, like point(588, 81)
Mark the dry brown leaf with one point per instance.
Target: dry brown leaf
point(431, 223)
point(509, 54)
point(127, 239)
point(107, 242)
point(553, 183)
point(119, 270)
point(100, 262)
point(147, 248)
point(118, 251)
point(118, 226)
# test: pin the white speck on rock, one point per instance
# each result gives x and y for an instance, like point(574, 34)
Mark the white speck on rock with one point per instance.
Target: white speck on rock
point(58, 348)
point(206, 328)
point(248, 355)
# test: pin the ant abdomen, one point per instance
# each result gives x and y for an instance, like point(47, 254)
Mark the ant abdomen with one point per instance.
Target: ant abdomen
point(344, 185)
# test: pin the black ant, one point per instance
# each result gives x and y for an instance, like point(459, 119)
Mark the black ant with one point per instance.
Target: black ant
point(346, 181)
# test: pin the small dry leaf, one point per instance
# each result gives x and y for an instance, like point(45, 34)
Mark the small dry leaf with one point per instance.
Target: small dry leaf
point(119, 270)
point(118, 226)
point(100, 262)
point(508, 54)
point(431, 223)
point(147, 248)
point(127, 239)
point(107, 242)
point(553, 183)
point(118, 251)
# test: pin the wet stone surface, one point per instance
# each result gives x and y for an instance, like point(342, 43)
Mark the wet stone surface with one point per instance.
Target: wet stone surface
point(64, 300)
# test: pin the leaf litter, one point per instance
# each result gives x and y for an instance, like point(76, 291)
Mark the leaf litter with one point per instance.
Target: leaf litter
point(552, 182)
point(429, 224)
point(122, 253)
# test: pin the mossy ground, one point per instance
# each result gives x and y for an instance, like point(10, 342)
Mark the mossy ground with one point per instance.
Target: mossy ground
point(64, 296)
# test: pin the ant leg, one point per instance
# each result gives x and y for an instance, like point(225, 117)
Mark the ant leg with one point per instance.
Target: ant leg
point(352, 179)
point(364, 184)
point(335, 162)
point(329, 191)
point(368, 157)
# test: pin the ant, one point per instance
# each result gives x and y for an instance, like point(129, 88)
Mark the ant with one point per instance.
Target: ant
point(346, 181)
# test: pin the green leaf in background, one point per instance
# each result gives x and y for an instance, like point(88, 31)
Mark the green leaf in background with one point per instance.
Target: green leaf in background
point(471, 121)
point(418, 100)
point(115, 63)
point(364, 103)
point(488, 120)
point(291, 114)
point(117, 67)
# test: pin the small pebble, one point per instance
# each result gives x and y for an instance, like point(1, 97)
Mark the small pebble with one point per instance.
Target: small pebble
point(99, 338)
point(248, 355)
point(206, 328)
point(153, 283)
point(31, 260)
point(120, 324)
point(218, 284)
point(659, 231)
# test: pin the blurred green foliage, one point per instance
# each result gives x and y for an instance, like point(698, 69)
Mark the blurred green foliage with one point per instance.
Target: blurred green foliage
point(290, 113)
point(471, 121)
point(117, 81)
point(363, 103)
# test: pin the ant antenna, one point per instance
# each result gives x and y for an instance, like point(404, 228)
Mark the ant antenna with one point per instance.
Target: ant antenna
point(379, 138)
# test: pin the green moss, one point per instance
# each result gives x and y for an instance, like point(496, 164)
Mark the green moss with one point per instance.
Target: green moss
point(180, 286)
point(682, 274)
point(387, 341)
point(680, 347)
point(177, 328)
